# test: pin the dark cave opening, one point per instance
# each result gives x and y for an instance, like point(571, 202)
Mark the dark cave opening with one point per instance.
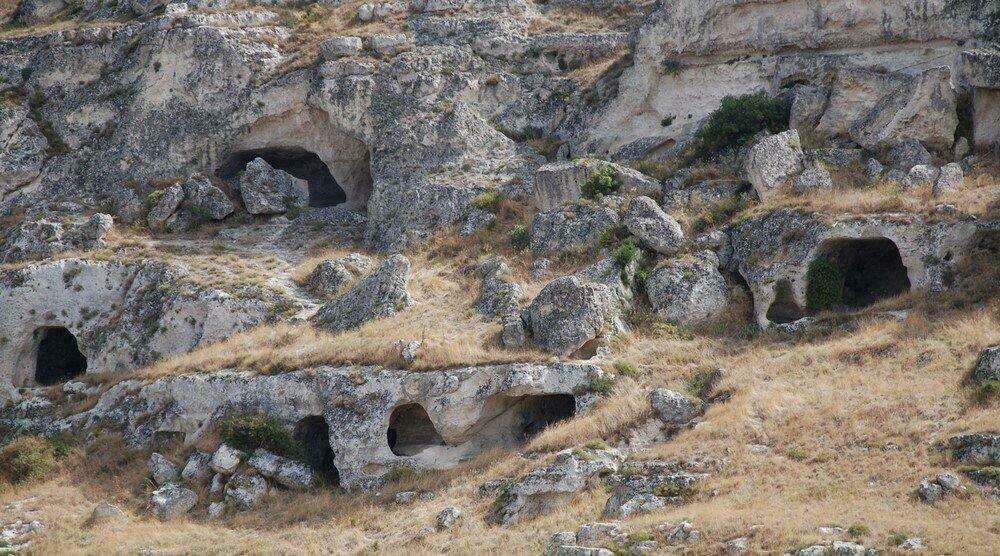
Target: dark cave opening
point(314, 434)
point(59, 358)
point(538, 412)
point(411, 431)
point(871, 269)
point(784, 309)
point(324, 191)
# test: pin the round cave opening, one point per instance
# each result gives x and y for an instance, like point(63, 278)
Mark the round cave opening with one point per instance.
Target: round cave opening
point(861, 272)
point(324, 191)
point(411, 431)
point(59, 358)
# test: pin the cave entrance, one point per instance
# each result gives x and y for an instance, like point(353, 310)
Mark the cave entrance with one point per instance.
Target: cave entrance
point(871, 269)
point(324, 191)
point(314, 434)
point(59, 358)
point(411, 431)
point(536, 413)
point(784, 309)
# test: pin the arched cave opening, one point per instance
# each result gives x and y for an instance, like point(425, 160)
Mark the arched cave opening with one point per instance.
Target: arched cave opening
point(324, 191)
point(314, 434)
point(871, 269)
point(538, 412)
point(59, 358)
point(784, 309)
point(411, 431)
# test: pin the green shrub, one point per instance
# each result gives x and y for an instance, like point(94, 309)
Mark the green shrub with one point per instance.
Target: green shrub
point(824, 285)
point(858, 530)
point(602, 181)
point(797, 454)
point(700, 383)
point(519, 237)
point(596, 445)
point(488, 201)
point(899, 538)
point(626, 368)
point(736, 122)
point(670, 490)
point(628, 253)
point(611, 235)
point(152, 199)
point(987, 390)
point(249, 432)
point(27, 458)
point(602, 386)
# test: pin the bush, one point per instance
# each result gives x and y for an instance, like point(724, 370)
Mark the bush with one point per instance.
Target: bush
point(602, 181)
point(797, 454)
point(27, 458)
point(152, 199)
point(626, 368)
point(519, 237)
point(628, 253)
point(736, 122)
point(987, 390)
point(858, 530)
point(488, 201)
point(249, 432)
point(700, 384)
point(824, 285)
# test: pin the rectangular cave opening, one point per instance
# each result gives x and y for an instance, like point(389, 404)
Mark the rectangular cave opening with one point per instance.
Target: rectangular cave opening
point(59, 358)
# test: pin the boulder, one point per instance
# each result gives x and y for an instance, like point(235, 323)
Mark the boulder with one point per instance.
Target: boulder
point(675, 409)
point(167, 202)
point(226, 459)
point(814, 177)
point(808, 105)
point(106, 513)
point(978, 448)
point(549, 487)
point(688, 290)
point(655, 228)
point(573, 228)
point(922, 175)
point(634, 494)
point(202, 201)
point(988, 365)
point(387, 46)
point(930, 491)
point(338, 47)
point(513, 334)
point(558, 183)
point(171, 501)
point(448, 517)
point(245, 491)
point(611, 531)
point(567, 314)
point(950, 179)
point(907, 153)
point(288, 473)
point(331, 276)
point(381, 294)
point(500, 295)
point(874, 170)
point(198, 468)
point(267, 190)
point(161, 469)
point(773, 161)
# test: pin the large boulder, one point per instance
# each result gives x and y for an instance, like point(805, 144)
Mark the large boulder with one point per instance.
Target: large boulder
point(381, 294)
point(988, 365)
point(558, 183)
point(500, 294)
point(202, 201)
point(332, 276)
point(906, 153)
point(675, 409)
point(288, 473)
point(549, 487)
point(688, 290)
point(773, 161)
point(574, 228)
point(655, 228)
point(245, 491)
point(161, 469)
point(267, 190)
point(171, 501)
point(567, 314)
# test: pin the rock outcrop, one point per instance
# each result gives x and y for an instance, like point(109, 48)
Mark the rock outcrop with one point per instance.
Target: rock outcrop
point(688, 290)
point(381, 294)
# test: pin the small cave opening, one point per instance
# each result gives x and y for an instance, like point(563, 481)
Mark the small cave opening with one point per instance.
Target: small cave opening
point(324, 191)
point(314, 434)
point(59, 358)
point(411, 431)
point(870, 269)
point(784, 309)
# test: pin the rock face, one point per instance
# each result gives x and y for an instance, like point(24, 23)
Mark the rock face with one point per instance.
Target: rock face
point(380, 294)
point(470, 408)
point(688, 290)
point(567, 314)
point(656, 229)
point(988, 365)
point(573, 228)
point(24, 148)
point(775, 268)
point(122, 315)
point(978, 448)
point(548, 487)
point(773, 161)
point(649, 488)
point(267, 190)
point(37, 239)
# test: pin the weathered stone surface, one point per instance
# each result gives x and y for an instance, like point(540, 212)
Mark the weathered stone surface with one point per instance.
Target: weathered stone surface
point(656, 229)
point(773, 161)
point(447, 517)
point(226, 459)
point(267, 190)
point(23, 145)
point(988, 365)
point(930, 491)
point(558, 183)
point(922, 175)
point(161, 469)
point(332, 276)
point(688, 290)
point(198, 468)
point(675, 409)
point(167, 204)
point(907, 153)
point(42, 238)
point(106, 513)
point(573, 228)
point(500, 294)
point(977, 448)
point(639, 493)
point(202, 201)
point(568, 313)
point(338, 47)
point(814, 177)
point(171, 501)
point(381, 294)
point(245, 491)
point(547, 487)
point(286, 472)
point(950, 179)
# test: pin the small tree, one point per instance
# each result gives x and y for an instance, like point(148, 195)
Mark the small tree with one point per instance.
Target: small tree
point(602, 181)
point(824, 285)
point(736, 122)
